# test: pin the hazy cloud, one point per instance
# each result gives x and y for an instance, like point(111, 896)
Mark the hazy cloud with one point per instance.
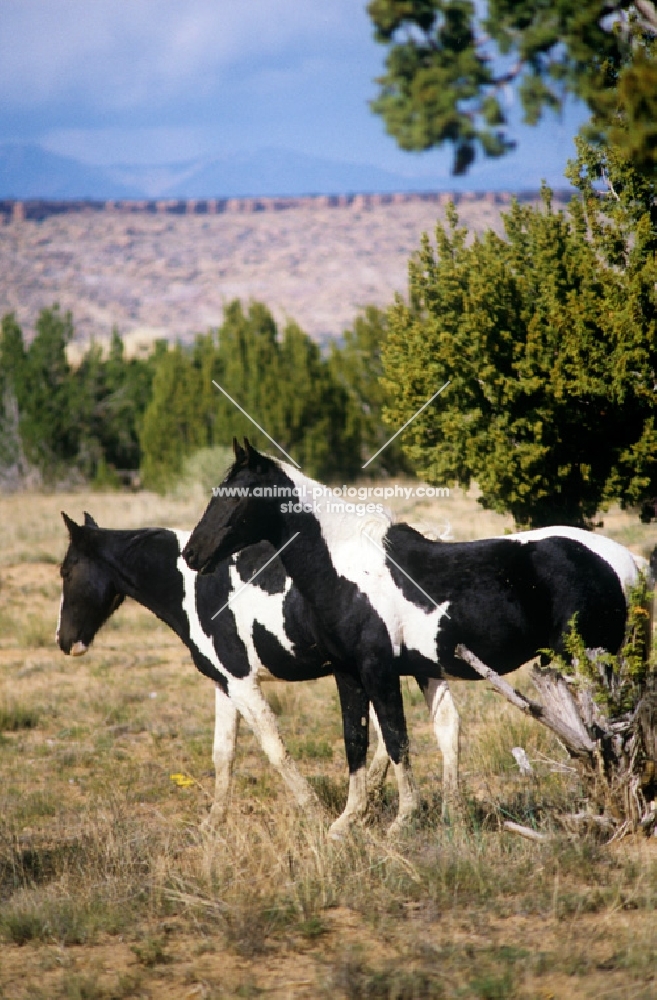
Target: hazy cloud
point(118, 56)
point(166, 81)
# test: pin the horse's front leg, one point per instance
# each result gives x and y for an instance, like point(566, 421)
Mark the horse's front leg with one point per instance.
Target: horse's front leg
point(255, 709)
point(226, 724)
point(385, 694)
point(447, 728)
point(354, 707)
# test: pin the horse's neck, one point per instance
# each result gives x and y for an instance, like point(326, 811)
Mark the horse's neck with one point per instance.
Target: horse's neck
point(145, 569)
point(307, 559)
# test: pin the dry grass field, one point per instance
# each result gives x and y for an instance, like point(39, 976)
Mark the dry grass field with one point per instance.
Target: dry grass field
point(109, 889)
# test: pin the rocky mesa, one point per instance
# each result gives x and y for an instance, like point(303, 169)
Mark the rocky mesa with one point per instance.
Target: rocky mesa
point(166, 269)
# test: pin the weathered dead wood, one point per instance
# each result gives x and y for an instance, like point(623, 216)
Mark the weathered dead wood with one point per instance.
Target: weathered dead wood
point(582, 821)
point(524, 831)
point(615, 757)
point(560, 714)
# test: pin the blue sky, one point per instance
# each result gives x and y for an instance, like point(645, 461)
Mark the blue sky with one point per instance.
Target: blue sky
point(162, 81)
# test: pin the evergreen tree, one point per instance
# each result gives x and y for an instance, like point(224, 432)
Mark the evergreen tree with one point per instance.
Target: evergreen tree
point(62, 417)
point(172, 426)
point(312, 415)
point(449, 62)
point(248, 368)
point(121, 400)
point(356, 365)
point(283, 383)
point(549, 338)
point(46, 395)
point(12, 379)
point(88, 384)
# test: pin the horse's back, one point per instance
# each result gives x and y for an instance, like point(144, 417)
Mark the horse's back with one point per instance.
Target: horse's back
point(511, 596)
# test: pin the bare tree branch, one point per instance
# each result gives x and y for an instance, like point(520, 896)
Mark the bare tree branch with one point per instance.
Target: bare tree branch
point(648, 14)
point(524, 831)
point(575, 737)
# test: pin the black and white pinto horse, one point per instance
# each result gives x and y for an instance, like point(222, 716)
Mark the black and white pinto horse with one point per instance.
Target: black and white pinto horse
point(388, 602)
point(266, 632)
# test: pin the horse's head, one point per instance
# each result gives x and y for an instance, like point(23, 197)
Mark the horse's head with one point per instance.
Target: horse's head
point(243, 510)
point(89, 595)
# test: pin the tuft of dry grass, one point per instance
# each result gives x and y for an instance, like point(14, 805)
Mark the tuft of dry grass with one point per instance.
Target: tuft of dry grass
point(110, 888)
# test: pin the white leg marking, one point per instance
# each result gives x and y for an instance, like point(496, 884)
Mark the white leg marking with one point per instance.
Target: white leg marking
point(447, 727)
point(378, 770)
point(244, 692)
point(248, 698)
point(409, 796)
point(226, 724)
point(356, 807)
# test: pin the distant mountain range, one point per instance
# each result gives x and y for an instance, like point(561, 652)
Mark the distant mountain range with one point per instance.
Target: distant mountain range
point(27, 170)
point(30, 171)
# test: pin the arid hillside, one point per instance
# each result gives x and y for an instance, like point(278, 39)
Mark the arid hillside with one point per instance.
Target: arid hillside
point(161, 274)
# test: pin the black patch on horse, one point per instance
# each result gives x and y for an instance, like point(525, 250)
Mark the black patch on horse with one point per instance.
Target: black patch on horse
point(248, 562)
point(212, 592)
point(303, 665)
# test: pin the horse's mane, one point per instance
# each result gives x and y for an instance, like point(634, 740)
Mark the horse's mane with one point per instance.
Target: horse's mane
point(121, 548)
point(344, 526)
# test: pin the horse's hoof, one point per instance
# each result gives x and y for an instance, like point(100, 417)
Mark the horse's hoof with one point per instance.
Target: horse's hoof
point(343, 826)
point(338, 831)
point(453, 808)
point(400, 824)
point(215, 818)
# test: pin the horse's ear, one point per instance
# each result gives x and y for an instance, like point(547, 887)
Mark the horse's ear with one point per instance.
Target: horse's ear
point(240, 454)
point(252, 456)
point(78, 533)
point(74, 530)
point(89, 521)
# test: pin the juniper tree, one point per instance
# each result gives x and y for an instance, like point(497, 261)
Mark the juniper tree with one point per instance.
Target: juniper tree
point(356, 366)
point(12, 375)
point(172, 426)
point(40, 377)
point(548, 338)
point(282, 382)
point(449, 62)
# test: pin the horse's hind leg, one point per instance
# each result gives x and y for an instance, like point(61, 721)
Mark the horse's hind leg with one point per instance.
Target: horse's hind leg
point(226, 724)
point(378, 769)
point(354, 706)
point(447, 727)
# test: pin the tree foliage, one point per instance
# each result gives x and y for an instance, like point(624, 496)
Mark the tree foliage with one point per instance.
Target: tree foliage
point(322, 412)
point(447, 68)
point(358, 368)
point(549, 338)
point(115, 413)
point(85, 418)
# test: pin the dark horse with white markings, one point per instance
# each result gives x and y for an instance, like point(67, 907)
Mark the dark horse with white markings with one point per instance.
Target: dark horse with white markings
point(389, 602)
point(267, 630)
